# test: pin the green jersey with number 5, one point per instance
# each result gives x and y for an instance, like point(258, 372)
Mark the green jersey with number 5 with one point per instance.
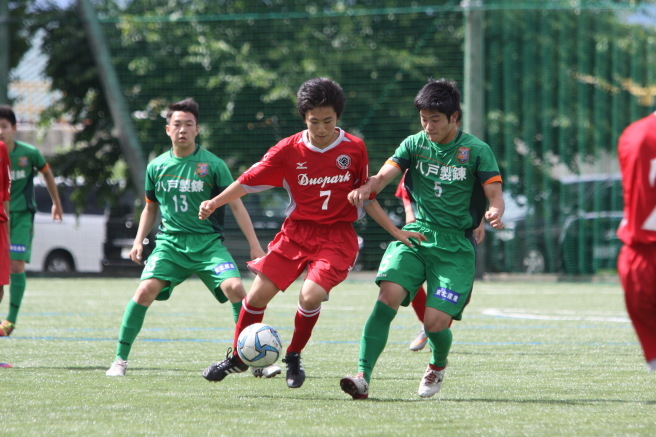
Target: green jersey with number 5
point(179, 185)
point(445, 181)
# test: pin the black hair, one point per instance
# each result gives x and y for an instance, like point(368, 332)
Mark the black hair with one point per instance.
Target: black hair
point(186, 105)
point(8, 113)
point(320, 92)
point(440, 95)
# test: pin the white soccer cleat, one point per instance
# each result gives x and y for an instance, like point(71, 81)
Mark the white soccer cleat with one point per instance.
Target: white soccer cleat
point(117, 368)
point(431, 382)
point(651, 366)
point(267, 372)
point(419, 342)
point(356, 386)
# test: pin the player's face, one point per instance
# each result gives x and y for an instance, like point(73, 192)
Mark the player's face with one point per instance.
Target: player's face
point(182, 129)
point(321, 123)
point(439, 128)
point(7, 132)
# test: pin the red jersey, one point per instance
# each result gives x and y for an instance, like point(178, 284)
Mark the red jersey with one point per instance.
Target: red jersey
point(317, 180)
point(5, 181)
point(402, 193)
point(636, 152)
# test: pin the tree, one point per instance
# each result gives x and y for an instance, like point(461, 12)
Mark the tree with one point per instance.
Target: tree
point(18, 41)
point(243, 62)
point(73, 72)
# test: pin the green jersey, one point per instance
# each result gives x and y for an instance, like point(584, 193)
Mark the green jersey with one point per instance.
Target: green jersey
point(179, 185)
point(445, 181)
point(26, 162)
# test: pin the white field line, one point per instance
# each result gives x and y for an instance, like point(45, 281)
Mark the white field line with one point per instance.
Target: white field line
point(494, 312)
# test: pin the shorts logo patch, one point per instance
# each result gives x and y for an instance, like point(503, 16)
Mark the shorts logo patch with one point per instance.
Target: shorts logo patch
point(447, 295)
point(201, 169)
point(151, 262)
point(17, 248)
point(463, 154)
point(343, 162)
point(224, 267)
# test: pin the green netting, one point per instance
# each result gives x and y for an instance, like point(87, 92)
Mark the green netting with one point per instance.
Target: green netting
point(562, 79)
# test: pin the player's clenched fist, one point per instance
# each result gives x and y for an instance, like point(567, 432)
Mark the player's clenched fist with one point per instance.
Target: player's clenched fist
point(493, 218)
point(358, 196)
point(206, 209)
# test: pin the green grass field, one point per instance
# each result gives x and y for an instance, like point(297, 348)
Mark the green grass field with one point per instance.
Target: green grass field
point(534, 359)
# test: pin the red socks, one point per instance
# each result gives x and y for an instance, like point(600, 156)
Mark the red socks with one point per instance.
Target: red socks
point(303, 325)
point(419, 303)
point(247, 316)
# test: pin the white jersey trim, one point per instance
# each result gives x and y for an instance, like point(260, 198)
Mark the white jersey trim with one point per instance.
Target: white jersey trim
point(341, 138)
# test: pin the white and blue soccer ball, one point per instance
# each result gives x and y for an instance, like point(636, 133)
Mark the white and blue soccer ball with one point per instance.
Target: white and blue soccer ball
point(259, 345)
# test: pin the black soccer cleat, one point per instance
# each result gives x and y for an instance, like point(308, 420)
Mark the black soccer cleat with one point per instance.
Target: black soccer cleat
point(295, 372)
point(218, 371)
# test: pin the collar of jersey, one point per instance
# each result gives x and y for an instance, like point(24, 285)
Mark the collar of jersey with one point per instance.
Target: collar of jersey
point(309, 145)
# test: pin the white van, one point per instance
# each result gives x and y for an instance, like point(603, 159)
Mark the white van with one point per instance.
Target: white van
point(74, 245)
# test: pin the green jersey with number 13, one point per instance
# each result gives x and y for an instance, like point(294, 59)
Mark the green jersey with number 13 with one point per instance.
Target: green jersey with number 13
point(179, 185)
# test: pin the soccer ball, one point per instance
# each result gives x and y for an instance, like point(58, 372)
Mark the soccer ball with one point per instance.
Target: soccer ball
point(259, 345)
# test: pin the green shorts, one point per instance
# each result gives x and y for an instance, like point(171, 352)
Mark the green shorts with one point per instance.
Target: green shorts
point(446, 261)
point(21, 234)
point(177, 257)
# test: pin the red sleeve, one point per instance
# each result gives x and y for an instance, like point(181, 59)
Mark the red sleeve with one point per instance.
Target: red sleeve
point(637, 156)
point(268, 171)
point(400, 190)
point(364, 170)
point(402, 193)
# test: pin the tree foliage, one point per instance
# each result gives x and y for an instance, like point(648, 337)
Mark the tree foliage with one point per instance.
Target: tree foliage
point(19, 35)
point(81, 102)
point(244, 60)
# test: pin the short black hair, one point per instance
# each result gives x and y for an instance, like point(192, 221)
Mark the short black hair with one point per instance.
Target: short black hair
point(8, 113)
point(320, 92)
point(186, 105)
point(440, 95)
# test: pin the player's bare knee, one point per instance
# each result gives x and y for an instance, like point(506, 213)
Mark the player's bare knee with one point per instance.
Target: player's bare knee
point(148, 291)
point(391, 294)
point(435, 320)
point(234, 289)
point(310, 302)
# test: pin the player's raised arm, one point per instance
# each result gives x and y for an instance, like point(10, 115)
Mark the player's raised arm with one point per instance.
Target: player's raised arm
point(374, 184)
point(234, 191)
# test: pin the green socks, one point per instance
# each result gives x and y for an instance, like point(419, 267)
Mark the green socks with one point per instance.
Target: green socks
point(16, 292)
point(133, 319)
point(374, 337)
point(440, 343)
point(236, 308)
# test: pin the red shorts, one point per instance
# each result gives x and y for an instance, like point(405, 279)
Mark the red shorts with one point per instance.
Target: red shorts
point(637, 271)
point(5, 263)
point(327, 251)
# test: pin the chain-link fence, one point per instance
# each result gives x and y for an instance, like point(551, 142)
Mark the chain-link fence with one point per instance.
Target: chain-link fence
point(561, 81)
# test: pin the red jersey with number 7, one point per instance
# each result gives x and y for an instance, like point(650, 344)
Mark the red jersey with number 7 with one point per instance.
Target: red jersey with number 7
point(636, 151)
point(317, 180)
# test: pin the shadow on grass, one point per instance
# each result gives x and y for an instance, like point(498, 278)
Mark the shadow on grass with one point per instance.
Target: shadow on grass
point(555, 401)
point(103, 369)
